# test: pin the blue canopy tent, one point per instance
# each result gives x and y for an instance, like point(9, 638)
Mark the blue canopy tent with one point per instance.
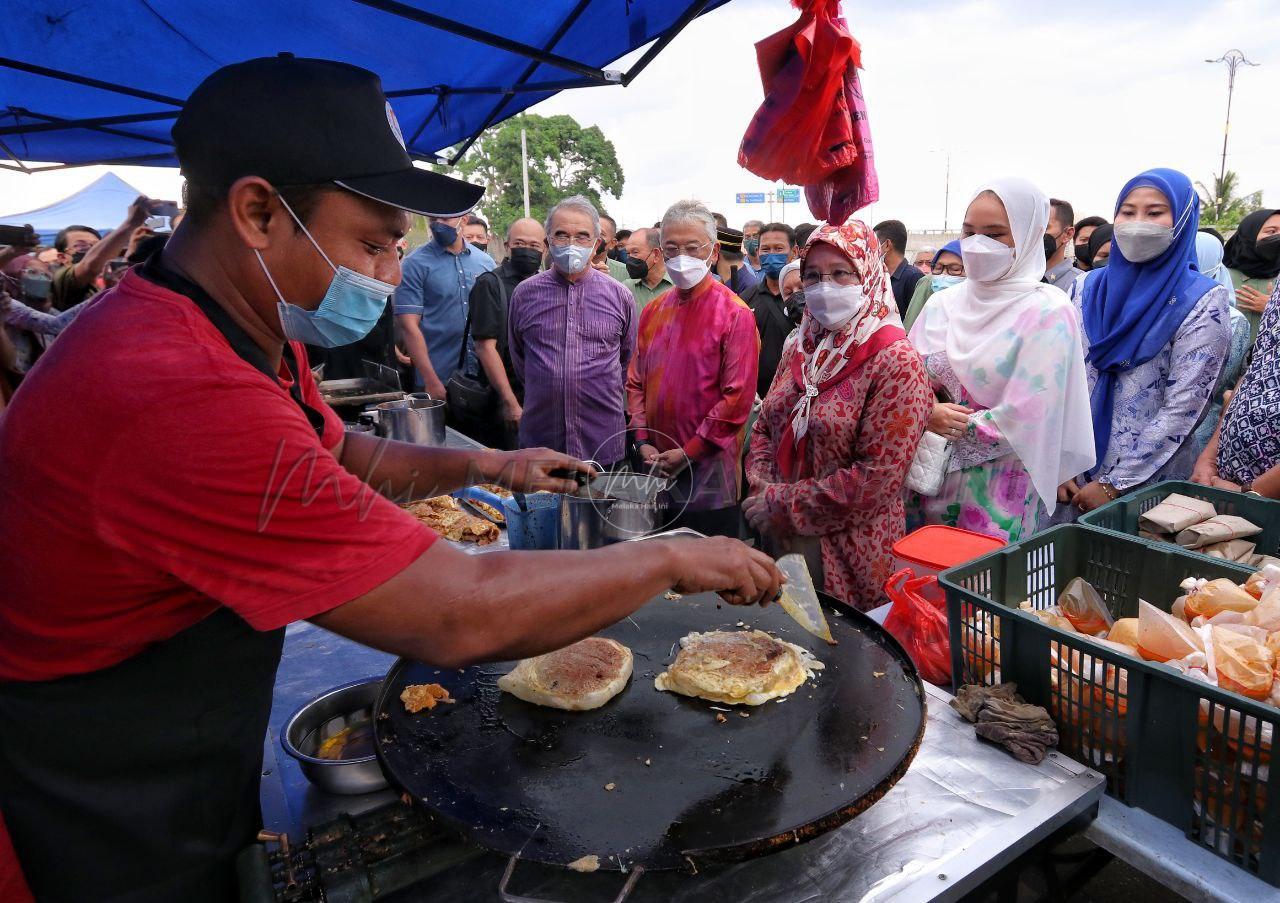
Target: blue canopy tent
point(102, 82)
point(103, 204)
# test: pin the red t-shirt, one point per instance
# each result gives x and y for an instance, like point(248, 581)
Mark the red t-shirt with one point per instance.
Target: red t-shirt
point(149, 475)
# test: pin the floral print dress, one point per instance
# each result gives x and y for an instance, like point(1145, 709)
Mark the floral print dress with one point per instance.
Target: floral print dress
point(862, 437)
point(986, 490)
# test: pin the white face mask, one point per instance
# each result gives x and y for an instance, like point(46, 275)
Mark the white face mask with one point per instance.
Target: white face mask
point(570, 259)
point(834, 305)
point(686, 271)
point(1140, 242)
point(985, 259)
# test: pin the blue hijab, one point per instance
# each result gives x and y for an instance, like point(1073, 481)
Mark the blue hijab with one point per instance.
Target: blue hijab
point(1132, 310)
point(951, 247)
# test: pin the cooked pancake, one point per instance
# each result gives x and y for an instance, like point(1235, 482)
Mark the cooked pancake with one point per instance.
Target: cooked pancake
point(747, 667)
point(583, 676)
point(446, 517)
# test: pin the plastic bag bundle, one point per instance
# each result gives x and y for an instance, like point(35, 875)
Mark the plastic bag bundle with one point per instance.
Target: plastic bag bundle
point(919, 625)
point(1208, 598)
point(1084, 608)
point(1164, 638)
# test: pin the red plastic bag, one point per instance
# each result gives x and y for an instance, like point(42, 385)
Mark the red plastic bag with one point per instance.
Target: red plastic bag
point(920, 625)
point(812, 129)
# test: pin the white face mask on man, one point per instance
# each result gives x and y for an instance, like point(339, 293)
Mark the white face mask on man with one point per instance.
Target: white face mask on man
point(686, 272)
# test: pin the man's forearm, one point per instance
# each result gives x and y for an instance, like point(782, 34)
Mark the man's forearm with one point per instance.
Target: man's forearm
point(415, 345)
point(491, 361)
point(95, 259)
point(402, 470)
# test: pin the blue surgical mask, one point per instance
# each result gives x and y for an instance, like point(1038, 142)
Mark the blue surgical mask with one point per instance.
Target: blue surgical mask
point(570, 259)
point(445, 235)
point(36, 286)
point(941, 282)
point(349, 310)
point(772, 264)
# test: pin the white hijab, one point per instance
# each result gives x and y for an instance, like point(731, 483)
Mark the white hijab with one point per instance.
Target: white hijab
point(1015, 346)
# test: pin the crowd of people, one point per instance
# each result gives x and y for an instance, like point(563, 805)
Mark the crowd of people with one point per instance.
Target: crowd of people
point(783, 377)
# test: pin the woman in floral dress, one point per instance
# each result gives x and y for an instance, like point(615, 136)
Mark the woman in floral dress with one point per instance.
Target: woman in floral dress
point(1004, 350)
point(840, 424)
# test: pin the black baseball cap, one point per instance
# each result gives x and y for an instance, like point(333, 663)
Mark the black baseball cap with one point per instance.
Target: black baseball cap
point(297, 121)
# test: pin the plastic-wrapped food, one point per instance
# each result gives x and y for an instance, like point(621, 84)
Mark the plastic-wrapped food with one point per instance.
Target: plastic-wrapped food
point(1242, 664)
point(1084, 608)
point(980, 640)
point(1164, 638)
point(1051, 616)
point(1262, 580)
point(1125, 632)
point(1209, 597)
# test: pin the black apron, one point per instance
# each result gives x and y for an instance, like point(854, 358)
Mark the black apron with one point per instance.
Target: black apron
point(140, 782)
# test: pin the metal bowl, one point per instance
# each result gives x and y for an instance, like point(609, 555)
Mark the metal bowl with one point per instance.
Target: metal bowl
point(350, 705)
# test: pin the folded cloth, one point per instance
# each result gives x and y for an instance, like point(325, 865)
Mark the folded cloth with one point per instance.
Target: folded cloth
point(1231, 550)
point(1025, 730)
point(1177, 512)
point(1219, 528)
point(971, 697)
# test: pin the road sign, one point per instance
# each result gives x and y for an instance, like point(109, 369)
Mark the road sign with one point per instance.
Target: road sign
point(750, 197)
point(787, 195)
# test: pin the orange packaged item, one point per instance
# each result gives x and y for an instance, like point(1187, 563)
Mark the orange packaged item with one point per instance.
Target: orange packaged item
point(1084, 608)
point(1125, 632)
point(1051, 616)
point(1243, 664)
point(1162, 637)
point(1212, 597)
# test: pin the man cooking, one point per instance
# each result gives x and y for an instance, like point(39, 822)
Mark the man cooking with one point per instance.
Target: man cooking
point(204, 497)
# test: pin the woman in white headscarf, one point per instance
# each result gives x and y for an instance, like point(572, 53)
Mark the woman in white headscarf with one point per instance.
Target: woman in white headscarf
point(1003, 350)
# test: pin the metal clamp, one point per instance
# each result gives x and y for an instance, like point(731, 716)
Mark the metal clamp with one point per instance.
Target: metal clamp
point(634, 877)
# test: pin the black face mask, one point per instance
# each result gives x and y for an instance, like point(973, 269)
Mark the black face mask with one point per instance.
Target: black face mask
point(1050, 246)
point(77, 256)
point(1082, 254)
point(525, 261)
point(1269, 249)
point(482, 245)
point(637, 268)
point(619, 254)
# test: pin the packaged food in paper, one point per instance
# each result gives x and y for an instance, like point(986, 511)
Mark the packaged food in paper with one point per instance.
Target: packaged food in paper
point(1176, 513)
point(1242, 664)
point(1164, 638)
point(1262, 561)
point(1083, 607)
point(1230, 550)
point(1208, 597)
point(1219, 528)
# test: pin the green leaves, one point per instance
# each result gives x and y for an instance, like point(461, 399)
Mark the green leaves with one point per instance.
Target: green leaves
point(1222, 208)
point(564, 159)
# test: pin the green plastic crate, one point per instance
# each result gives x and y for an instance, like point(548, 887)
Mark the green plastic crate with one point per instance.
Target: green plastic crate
point(1121, 516)
point(1166, 743)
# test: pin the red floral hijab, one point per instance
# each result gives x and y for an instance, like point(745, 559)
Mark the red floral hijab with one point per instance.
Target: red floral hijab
point(826, 357)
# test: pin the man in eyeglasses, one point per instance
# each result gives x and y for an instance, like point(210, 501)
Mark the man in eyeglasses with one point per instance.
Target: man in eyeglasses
point(572, 331)
point(693, 379)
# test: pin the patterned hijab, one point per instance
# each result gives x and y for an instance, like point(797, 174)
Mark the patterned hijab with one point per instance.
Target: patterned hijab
point(827, 356)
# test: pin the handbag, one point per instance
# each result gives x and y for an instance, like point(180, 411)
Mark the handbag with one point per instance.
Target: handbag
point(929, 466)
point(471, 398)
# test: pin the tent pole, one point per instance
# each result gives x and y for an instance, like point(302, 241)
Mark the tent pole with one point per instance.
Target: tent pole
point(501, 105)
point(118, 161)
point(86, 81)
point(524, 166)
point(692, 12)
point(485, 37)
point(531, 88)
point(55, 124)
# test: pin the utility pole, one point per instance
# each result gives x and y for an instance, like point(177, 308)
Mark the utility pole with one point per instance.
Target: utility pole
point(946, 201)
point(524, 167)
point(1234, 59)
point(770, 197)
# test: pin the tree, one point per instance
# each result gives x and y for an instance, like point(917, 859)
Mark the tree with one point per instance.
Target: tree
point(564, 159)
point(1222, 208)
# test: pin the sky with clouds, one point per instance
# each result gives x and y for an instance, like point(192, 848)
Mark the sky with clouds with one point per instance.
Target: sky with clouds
point(1078, 97)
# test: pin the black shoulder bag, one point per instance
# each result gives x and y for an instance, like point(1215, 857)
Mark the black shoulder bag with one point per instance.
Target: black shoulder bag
point(471, 398)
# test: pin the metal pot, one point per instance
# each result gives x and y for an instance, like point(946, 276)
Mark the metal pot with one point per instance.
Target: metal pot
point(350, 705)
point(588, 522)
point(416, 420)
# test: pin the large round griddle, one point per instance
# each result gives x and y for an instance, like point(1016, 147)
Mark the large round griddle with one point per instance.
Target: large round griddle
point(530, 781)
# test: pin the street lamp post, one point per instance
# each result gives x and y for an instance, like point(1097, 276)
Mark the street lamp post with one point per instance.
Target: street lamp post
point(1234, 59)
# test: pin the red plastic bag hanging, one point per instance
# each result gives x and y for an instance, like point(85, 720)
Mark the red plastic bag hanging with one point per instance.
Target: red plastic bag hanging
point(812, 129)
point(920, 625)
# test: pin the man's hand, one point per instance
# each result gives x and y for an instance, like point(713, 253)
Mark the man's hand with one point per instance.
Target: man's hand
point(402, 358)
point(740, 574)
point(511, 412)
point(1250, 299)
point(648, 456)
point(432, 386)
point(670, 463)
point(529, 470)
point(139, 210)
point(949, 420)
point(1091, 496)
point(601, 265)
point(756, 510)
point(1067, 492)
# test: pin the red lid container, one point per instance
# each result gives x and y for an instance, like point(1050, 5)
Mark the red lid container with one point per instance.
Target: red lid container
point(937, 547)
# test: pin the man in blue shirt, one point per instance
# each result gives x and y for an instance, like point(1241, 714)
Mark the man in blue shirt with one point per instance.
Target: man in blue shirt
point(431, 301)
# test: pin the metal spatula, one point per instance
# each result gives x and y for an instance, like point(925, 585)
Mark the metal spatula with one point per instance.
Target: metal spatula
point(800, 600)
